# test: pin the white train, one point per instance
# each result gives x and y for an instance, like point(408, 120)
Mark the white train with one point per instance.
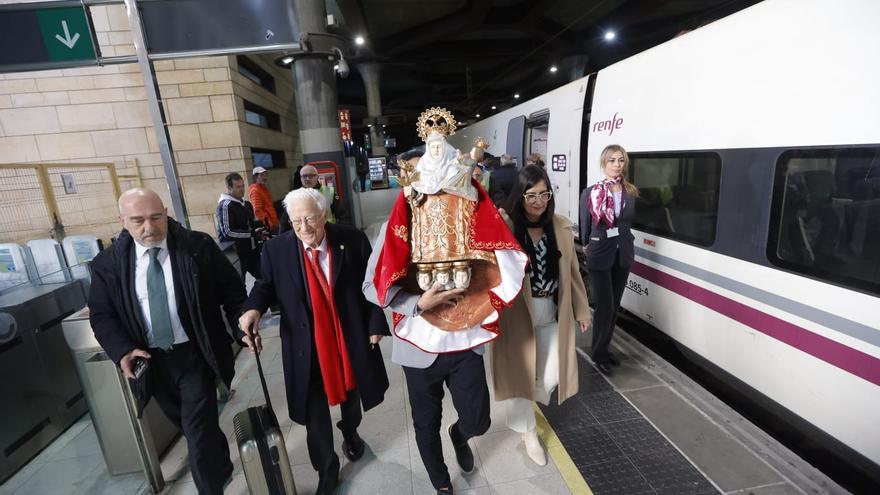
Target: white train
point(755, 142)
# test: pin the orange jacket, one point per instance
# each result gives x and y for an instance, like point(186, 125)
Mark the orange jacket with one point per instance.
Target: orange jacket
point(264, 210)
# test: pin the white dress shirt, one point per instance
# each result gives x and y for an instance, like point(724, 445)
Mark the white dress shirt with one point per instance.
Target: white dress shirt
point(141, 263)
point(323, 257)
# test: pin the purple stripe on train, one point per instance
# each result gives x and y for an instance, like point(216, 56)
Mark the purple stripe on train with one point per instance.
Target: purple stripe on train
point(846, 358)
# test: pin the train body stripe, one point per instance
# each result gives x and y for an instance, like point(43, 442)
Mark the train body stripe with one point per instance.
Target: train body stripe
point(846, 358)
point(854, 329)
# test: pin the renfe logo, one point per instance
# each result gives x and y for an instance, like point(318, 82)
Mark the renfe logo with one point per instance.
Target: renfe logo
point(608, 125)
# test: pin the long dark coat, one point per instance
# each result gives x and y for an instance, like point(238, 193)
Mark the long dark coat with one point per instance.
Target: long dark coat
point(284, 282)
point(204, 282)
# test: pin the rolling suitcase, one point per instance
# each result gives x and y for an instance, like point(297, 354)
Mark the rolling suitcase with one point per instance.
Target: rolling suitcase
point(261, 446)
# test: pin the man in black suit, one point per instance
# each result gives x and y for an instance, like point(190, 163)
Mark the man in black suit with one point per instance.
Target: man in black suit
point(502, 179)
point(329, 331)
point(156, 295)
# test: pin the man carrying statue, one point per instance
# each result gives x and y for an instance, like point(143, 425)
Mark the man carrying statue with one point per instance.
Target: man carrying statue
point(446, 264)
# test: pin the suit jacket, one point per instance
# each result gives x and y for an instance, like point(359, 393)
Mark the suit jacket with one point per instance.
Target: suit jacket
point(603, 249)
point(204, 281)
point(284, 282)
point(402, 352)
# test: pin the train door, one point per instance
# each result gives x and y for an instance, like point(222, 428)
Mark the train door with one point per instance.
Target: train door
point(516, 130)
point(537, 127)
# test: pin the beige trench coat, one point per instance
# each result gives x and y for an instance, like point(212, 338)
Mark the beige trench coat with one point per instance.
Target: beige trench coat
point(513, 352)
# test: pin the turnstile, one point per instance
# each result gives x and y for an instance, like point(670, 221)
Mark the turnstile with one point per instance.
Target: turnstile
point(128, 444)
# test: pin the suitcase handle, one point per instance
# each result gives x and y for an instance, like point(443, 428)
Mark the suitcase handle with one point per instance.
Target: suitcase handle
point(263, 383)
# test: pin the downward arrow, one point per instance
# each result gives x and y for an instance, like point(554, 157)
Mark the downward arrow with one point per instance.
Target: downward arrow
point(67, 40)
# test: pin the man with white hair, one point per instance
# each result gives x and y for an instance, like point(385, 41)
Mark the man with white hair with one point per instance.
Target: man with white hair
point(156, 297)
point(309, 176)
point(329, 330)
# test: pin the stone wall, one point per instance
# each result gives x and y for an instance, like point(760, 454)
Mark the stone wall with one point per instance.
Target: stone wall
point(100, 115)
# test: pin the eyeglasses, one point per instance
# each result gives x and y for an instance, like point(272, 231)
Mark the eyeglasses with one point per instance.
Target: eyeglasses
point(308, 176)
point(299, 222)
point(534, 197)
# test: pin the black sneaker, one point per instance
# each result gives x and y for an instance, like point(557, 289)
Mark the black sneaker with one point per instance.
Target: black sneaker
point(446, 490)
point(463, 454)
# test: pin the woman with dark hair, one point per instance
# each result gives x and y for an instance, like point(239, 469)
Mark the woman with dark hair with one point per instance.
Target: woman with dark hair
point(606, 212)
point(535, 352)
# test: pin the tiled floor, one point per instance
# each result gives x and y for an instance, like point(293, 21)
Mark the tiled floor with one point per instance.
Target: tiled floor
point(74, 465)
point(638, 432)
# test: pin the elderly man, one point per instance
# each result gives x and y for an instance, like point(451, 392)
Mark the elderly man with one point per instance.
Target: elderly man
point(329, 331)
point(309, 176)
point(156, 297)
point(261, 198)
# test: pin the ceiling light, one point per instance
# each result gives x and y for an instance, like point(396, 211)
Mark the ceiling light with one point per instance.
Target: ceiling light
point(286, 60)
point(553, 69)
point(494, 107)
point(359, 40)
point(610, 35)
point(477, 116)
point(369, 125)
point(516, 96)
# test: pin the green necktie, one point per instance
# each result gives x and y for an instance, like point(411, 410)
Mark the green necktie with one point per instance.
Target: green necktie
point(160, 316)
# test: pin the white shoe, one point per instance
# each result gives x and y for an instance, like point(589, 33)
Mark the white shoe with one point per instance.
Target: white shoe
point(534, 448)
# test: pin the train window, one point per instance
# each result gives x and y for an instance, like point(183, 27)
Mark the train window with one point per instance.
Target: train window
point(826, 206)
point(678, 194)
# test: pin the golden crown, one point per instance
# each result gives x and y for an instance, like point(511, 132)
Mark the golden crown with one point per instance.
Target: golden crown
point(436, 119)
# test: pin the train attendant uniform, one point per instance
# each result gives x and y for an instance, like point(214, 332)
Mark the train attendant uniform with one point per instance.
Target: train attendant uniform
point(605, 219)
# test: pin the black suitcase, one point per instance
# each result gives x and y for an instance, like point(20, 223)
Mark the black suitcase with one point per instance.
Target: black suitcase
point(261, 446)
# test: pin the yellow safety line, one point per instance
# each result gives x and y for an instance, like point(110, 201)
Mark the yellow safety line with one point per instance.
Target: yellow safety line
point(570, 473)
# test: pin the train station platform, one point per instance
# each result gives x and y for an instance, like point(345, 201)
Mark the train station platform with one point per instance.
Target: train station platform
point(647, 429)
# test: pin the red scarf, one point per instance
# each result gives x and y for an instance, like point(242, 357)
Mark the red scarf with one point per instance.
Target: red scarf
point(602, 202)
point(333, 359)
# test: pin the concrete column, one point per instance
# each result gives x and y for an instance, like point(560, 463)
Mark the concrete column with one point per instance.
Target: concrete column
point(370, 74)
point(316, 99)
point(576, 65)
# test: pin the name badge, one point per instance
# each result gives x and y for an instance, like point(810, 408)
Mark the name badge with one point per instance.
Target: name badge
point(611, 233)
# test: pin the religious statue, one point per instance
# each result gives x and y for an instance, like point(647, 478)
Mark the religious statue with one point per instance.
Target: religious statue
point(444, 232)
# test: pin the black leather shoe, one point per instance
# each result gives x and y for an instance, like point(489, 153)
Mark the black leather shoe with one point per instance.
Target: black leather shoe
point(447, 490)
point(604, 368)
point(353, 447)
point(463, 454)
point(614, 361)
point(328, 485)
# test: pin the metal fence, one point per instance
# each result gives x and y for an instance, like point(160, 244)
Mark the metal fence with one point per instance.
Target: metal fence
point(40, 200)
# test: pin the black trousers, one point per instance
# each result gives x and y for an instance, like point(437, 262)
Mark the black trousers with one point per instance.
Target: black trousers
point(464, 374)
point(319, 426)
point(185, 391)
point(606, 289)
point(250, 262)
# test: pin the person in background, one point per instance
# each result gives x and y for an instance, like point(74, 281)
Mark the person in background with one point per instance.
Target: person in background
point(535, 159)
point(309, 175)
point(158, 295)
point(606, 212)
point(329, 331)
point(261, 198)
point(535, 351)
point(502, 180)
point(235, 222)
point(477, 174)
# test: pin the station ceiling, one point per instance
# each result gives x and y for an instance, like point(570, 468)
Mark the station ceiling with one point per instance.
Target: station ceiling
point(469, 55)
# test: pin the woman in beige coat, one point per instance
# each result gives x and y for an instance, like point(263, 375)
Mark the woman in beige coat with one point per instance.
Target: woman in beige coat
point(535, 352)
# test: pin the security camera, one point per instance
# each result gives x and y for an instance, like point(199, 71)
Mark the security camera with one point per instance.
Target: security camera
point(341, 66)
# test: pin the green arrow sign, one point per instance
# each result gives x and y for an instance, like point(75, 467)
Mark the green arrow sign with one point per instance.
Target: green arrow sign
point(36, 36)
point(66, 34)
